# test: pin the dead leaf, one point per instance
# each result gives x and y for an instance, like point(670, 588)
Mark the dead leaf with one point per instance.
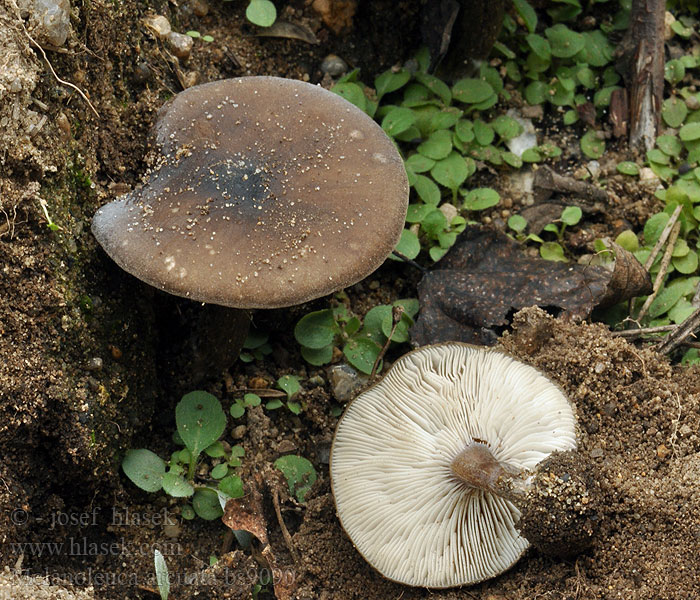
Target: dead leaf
point(246, 514)
point(285, 29)
point(629, 277)
point(336, 14)
point(470, 293)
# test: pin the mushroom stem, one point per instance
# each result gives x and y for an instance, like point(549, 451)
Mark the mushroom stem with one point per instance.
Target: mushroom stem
point(477, 467)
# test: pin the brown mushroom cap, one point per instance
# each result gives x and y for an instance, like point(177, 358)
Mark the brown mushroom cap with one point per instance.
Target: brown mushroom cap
point(270, 192)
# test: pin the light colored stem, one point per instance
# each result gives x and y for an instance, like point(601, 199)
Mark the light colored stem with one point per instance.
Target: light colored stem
point(478, 468)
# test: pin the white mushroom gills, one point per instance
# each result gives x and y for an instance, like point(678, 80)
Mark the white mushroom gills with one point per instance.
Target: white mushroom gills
point(399, 471)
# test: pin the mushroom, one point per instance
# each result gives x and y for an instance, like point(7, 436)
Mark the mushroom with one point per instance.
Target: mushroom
point(430, 465)
point(267, 193)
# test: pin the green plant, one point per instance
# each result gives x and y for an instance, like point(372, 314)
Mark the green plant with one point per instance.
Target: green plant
point(261, 13)
point(361, 341)
point(197, 36)
point(200, 423)
point(290, 385)
point(255, 347)
point(239, 405)
point(299, 473)
point(162, 576)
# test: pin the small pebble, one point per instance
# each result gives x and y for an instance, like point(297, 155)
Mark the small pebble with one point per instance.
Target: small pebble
point(662, 452)
point(692, 103)
point(199, 7)
point(286, 446)
point(239, 432)
point(334, 65)
point(51, 19)
point(159, 25)
point(180, 44)
point(345, 382)
point(597, 453)
point(449, 210)
point(94, 364)
point(142, 72)
point(593, 167)
point(258, 383)
point(315, 381)
point(172, 530)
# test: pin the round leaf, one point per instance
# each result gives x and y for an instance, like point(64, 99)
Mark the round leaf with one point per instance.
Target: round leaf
point(592, 146)
point(206, 504)
point(361, 353)
point(200, 420)
point(689, 132)
point(145, 468)
point(427, 190)
point(219, 471)
point(398, 120)
point(261, 12)
point(628, 168)
point(471, 91)
point(564, 42)
point(232, 486)
point(299, 473)
point(437, 146)
point(674, 111)
point(481, 198)
point(316, 330)
point(552, 251)
point(176, 486)
point(451, 171)
point(408, 245)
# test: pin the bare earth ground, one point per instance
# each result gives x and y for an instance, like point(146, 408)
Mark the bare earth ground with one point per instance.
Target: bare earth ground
point(79, 350)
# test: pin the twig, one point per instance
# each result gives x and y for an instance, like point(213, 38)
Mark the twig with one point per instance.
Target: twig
point(682, 331)
point(641, 332)
point(61, 81)
point(396, 314)
point(285, 532)
point(410, 261)
point(665, 261)
point(663, 237)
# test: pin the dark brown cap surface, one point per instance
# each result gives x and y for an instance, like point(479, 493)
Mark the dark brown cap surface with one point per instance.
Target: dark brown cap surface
point(270, 192)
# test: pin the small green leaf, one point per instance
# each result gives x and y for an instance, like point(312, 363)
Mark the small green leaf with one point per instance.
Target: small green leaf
point(506, 127)
point(674, 111)
point(653, 228)
point(299, 473)
point(481, 198)
point(539, 46)
point(451, 171)
point(464, 130)
point(689, 132)
point(316, 329)
point(206, 504)
point(512, 159)
point(674, 71)
point(531, 155)
point(162, 577)
point(398, 120)
point(427, 189)
point(361, 353)
point(408, 245)
point(564, 42)
point(261, 12)
point(219, 471)
point(471, 91)
point(145, 468)
point(687, 264)
point(434, 222)
point(628, 168)
point(527, 14)
point(290, 385)
point(200, 421)
point(435, 85)
point(216, 450)
point(592, 146)
point(251, 399)
point(389, 82)
point(655, 155)
point(536, 92)
point(352, 92)
point(419, 163)
point(571, 215)
point(628, 240)
point(483, 133)
point(193, 34)
point(437, 146)
point(274, 404)
point(317, 356)
point(552, 251)
point(232, 486)
point(445, 119)
point(517, 223)
point(237, 410)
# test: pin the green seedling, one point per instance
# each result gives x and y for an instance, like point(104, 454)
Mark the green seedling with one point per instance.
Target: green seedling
point(289, 384)
point(198, 36)
point(200, 423)
point(261, 13)
point(570, 216)
point(239, 405)
point(320, 331)
point(162, 576)
point(299, 473)
point(255, 346)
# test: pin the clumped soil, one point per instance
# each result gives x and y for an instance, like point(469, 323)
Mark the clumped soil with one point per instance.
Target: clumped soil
point(80, 357)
